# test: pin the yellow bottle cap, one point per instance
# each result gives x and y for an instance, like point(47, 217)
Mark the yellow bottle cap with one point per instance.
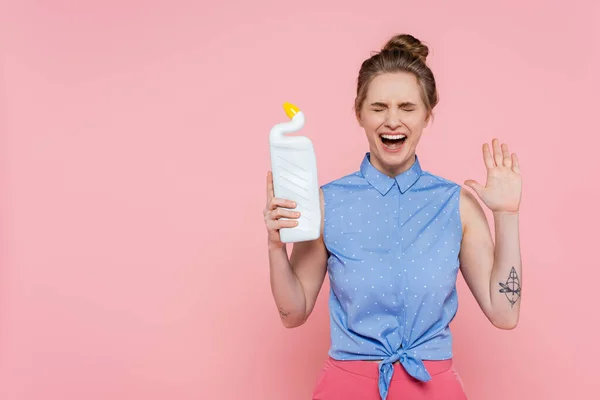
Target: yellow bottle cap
point(290, 109)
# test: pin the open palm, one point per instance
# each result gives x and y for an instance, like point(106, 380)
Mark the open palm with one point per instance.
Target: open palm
point(502, 191)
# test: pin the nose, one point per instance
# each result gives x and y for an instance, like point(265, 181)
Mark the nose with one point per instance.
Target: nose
point(393, 121)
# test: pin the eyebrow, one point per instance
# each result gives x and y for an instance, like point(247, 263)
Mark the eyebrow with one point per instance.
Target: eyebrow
point(404, 104)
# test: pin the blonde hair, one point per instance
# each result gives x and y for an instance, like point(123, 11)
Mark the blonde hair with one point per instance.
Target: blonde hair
point(402, 53)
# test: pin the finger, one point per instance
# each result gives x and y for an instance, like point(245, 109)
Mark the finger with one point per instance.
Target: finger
point(476, 186)
point(270, 192)
point(283, 213)
point(487, 156)
point(506, 160)
point(515, 164)
point(279, 202)
point(497, 152)
point(275, 225)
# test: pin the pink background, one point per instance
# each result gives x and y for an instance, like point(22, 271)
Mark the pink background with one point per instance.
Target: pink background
point(133, 157)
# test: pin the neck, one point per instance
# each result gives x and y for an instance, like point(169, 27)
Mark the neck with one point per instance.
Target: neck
point(396, 169)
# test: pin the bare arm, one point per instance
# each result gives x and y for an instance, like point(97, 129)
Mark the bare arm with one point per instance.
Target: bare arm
point(493, 271)
point(295, 281)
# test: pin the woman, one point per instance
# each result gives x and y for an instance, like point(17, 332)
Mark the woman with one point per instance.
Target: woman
point(393, 239)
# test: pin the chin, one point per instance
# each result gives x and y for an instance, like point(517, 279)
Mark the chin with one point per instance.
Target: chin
point(393, 160)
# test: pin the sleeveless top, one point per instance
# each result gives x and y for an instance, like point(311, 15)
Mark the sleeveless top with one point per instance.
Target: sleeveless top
point(393, 246)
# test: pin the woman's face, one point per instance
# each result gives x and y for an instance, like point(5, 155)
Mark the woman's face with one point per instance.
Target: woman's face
point(393, 116)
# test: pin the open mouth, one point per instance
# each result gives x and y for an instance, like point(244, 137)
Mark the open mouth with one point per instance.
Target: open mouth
point(393, 142)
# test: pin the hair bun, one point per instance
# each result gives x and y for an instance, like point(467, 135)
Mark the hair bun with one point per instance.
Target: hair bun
point(408, 43)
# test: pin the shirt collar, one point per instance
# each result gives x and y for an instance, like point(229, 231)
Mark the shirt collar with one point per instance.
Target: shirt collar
point(383, 183)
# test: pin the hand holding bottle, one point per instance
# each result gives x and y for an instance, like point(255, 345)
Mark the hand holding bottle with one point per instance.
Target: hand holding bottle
point(275, 211)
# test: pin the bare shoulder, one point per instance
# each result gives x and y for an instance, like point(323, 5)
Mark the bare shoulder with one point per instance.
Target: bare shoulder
point(468, 201)
point(470, 209)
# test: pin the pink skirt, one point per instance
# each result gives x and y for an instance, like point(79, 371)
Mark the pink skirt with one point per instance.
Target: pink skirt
point(349, 380)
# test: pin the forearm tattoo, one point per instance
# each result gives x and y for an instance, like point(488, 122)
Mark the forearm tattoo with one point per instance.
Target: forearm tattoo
point(512, 287)
point(283, 314)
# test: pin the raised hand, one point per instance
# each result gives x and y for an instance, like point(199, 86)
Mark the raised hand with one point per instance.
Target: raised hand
point(276, 209)
point(502, 190)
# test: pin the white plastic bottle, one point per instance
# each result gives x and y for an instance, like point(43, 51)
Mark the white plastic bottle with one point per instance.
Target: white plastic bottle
point(294, 167)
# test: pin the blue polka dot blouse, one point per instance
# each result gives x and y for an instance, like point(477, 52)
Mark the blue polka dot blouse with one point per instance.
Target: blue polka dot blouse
point(393, 248)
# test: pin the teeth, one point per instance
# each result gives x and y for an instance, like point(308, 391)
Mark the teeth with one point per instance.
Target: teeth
point(393, 137)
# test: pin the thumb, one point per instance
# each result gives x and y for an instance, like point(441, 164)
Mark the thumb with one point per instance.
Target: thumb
point(477, 187)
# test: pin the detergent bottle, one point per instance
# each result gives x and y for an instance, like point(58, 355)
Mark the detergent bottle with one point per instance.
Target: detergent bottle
point(294, 167)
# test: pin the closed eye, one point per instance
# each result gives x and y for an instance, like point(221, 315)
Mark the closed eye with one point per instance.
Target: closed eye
point(406, 106)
